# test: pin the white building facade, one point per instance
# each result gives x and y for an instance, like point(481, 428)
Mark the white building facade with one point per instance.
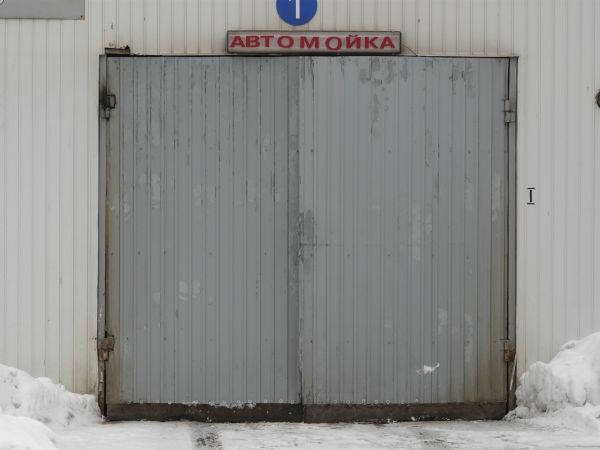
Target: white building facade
point(49, 147)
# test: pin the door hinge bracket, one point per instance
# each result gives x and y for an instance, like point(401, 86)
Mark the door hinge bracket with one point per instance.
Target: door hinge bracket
point(105, 346)
point(509, 112)
point(509, 352)
point(109, 102)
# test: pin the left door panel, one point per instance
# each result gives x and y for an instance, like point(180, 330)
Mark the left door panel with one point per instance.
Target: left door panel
point(198, 243)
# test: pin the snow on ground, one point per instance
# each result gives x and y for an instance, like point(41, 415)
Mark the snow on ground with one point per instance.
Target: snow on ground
point(564, 392)
point(559, 407)
point(42, 400)
point(23, 433)
point(29, 406)
point(412, 435)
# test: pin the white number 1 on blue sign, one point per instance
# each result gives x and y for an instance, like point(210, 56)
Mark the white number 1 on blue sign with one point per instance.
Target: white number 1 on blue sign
point(297, 12)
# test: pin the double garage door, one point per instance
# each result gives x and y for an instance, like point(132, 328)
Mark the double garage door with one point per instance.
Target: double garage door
point(317, 237)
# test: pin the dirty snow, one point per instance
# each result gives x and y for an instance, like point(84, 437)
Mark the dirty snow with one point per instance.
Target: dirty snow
point(564, 392)
point(42, 400)
point(29, 406)
point(413, 435)
point(558, 408)
point(23, 433)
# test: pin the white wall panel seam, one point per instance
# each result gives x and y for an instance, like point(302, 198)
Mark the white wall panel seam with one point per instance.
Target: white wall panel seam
point(61, 348)
point(596, 203)
point(19, 274)
point(552, 174)
point(3, 214)
point(594, 158)
point(44, 196)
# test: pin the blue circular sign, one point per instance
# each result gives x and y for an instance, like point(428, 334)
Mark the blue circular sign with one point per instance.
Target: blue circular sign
point(297, 12)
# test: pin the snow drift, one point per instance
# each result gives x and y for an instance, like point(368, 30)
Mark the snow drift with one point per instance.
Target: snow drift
point(29, 406)
point(41, 399)
point(23, 433)
point(566, 390)
point(572, 378)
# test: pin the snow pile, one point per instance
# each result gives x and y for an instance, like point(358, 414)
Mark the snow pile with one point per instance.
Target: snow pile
point(565, 391)
point(40, 399)
point(23, 433)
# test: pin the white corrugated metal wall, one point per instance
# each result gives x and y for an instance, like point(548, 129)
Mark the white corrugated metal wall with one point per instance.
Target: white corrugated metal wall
point(49, 147)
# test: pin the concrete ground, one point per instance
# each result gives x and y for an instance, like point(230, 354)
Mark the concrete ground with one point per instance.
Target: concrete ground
point(412, 435)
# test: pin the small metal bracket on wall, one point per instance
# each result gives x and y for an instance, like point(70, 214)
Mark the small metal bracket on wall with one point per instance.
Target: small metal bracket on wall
point(117, 51)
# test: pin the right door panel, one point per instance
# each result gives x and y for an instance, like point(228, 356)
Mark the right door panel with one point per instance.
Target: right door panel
point(403, 193)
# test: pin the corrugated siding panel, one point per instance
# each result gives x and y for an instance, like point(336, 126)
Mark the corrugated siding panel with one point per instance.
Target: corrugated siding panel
point(403, 175)
point(48, 152)
point(48, 216)
point(198, 201)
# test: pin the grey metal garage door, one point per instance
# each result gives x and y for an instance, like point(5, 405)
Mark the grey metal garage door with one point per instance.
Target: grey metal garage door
point(315, 230)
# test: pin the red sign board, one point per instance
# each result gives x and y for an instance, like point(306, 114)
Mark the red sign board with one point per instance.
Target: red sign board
point(309, 42)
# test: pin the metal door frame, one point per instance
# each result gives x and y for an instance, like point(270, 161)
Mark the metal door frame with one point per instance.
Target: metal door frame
point(511, 229)
point(300, 412)
point(102, 250)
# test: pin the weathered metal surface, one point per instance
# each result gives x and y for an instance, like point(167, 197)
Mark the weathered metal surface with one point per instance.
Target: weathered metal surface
point(404, 200)
point(384, 178)
point(307, 413)
point(384, 413)
point(511, 199)
point(36, 9)
point(105, 347)
point(198, 265)
point(262, 412)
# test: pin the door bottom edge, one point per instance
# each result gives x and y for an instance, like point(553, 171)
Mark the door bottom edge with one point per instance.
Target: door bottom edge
point(312, 413)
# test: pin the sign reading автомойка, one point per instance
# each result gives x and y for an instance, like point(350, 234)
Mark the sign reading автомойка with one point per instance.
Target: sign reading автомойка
point(313, 42)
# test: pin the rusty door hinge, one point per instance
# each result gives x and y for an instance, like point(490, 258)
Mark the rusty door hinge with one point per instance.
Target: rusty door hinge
point(509, 112)
point(509, 352)
point(105, 346)
point(109, 102)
